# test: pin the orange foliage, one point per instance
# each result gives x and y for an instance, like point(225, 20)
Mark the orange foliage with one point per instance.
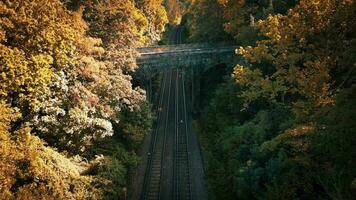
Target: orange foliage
point(296, 44)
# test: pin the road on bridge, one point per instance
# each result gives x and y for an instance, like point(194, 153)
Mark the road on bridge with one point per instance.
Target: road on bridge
point(172, 163)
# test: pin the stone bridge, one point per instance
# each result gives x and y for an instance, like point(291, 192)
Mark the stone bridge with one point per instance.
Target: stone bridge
point(203, 56)
point(194, 58)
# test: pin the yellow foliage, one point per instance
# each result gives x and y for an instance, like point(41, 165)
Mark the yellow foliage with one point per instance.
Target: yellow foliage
point(258, 85)
point(295, 46)
point(44, 51)
point(36, 38)
point(29, 170)
point(175, 11)
point(298, 138)
point(156, 16)
point(237, 14)
point(117, 22)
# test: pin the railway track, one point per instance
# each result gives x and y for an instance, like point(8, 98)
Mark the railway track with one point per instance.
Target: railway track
point(182, 185)
point(181, 171)
point(154, 168)
point(168, 169)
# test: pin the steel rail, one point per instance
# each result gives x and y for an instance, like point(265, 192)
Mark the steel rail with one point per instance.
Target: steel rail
point(187, 139)
point(165, 133)
point(182, 158)
point(153, 140)
point(149, 174)
point(182, 184)
point(176, 161)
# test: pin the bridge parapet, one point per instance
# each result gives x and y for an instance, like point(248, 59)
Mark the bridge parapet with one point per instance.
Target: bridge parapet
point(180, 47)
point(157, 58)
point(164, 48)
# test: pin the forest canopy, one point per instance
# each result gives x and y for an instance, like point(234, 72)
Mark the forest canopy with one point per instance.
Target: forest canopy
point(281, 124)
point(278, 124)
point(65, 71)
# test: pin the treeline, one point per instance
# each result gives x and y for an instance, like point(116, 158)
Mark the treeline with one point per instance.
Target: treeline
point(282, 123)
point(71, 121)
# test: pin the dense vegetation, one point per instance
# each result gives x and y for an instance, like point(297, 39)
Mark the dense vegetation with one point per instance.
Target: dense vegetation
point(71, 122)
point(279, 125)
point(282, 124)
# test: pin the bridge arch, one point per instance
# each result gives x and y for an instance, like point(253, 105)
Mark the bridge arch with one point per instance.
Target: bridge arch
point(157, 58)
point(195, 59)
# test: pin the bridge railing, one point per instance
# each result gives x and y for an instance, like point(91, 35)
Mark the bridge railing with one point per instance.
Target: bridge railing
point(185, 55)
point(186, 52)
point(164, 48)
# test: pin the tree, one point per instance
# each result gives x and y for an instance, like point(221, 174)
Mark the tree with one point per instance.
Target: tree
point(297, 46)
point(37, 39)
point(156, 16)
point(206, 22)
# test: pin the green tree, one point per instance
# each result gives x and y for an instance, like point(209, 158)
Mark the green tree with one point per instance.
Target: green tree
point(206, 22)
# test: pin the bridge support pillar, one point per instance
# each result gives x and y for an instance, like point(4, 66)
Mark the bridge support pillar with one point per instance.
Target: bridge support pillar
point(150, 90)
point(148, 76)
point(195, 88)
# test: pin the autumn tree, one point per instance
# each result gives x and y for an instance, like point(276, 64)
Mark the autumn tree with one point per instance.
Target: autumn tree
point(283, 129)
point(297, 46)
point(65, 71)
point(157, 18)
point(35, 43)
point(87, 96)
